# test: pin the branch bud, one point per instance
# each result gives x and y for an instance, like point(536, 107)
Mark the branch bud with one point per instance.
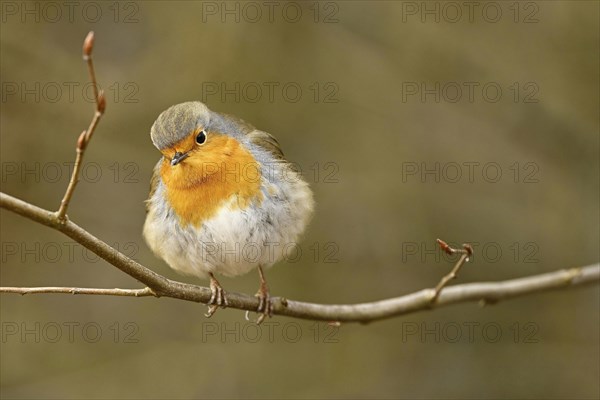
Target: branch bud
point(101, 102)
point(81, 142)
point(88, 45)
point(445, 247)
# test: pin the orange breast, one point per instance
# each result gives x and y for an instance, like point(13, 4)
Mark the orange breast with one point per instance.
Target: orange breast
point(213, 174)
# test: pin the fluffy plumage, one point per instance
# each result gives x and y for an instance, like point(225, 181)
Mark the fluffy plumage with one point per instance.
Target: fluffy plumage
point(233, 204)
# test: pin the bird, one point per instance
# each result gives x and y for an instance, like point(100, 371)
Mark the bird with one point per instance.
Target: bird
point(223, 199)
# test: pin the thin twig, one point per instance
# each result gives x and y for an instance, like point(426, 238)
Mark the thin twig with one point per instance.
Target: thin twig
point(73, 290)
point(465, 253)
point(85, 136)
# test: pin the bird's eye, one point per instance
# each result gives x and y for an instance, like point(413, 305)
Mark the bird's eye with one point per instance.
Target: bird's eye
point(201, 138)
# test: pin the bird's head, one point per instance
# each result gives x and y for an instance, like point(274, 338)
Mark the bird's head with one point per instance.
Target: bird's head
point(198, 143)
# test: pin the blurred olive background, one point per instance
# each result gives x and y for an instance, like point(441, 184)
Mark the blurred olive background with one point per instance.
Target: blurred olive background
point(356, 130)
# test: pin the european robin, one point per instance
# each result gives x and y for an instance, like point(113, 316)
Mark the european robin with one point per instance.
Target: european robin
point(223, 199)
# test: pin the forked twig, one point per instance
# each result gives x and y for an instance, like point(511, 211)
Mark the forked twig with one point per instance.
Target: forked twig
point(465, 253)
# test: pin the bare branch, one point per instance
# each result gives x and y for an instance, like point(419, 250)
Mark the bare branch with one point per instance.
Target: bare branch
point(365, 312)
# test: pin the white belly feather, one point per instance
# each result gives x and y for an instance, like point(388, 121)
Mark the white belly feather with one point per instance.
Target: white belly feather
point(234, 241)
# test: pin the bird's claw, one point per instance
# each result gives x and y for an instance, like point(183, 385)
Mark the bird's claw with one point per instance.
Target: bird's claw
point(217, 298)
point(211, 310)
point(265, 308)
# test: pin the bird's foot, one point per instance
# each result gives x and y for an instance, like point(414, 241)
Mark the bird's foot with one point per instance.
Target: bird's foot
point(265, 308)
point(217, 298)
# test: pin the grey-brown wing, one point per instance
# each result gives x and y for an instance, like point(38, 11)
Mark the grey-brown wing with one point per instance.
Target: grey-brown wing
point(260, 138)
point(267, 142)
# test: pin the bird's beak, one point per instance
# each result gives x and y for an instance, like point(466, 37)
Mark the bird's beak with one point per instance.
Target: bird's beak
point(179, 157)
